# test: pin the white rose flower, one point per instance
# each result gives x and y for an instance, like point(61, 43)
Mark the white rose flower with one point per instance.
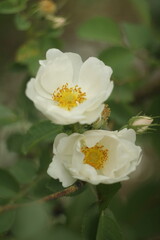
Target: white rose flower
point(67, 91)
point(97, 156)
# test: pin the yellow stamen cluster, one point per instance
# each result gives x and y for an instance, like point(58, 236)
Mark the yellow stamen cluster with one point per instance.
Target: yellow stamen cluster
point(69, 98)
point(95, 156)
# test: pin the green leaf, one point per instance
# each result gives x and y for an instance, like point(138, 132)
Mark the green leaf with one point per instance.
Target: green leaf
point(122, 93)
point(6, 220)
point(90, 223)
point(24, 171)
point(120, 112)
point(31, 220)
point(38, 132)
point(54, 185)
point(10, 6)
point(143, 10)
point(32, 51)
point(138, 36)
point(154, 6)
point(106, 192)
point(8, 185)
point(140, 214)
point(100, 29)
point(29, 54)
point(6, 116)
point(22, 22)
point(153, 110)
point(45, 158)
point(108, 228)
point(145, 220)
point(121, 60)
point(60, 232)
point(78, 210)
point(45, 186)
point(14, 142)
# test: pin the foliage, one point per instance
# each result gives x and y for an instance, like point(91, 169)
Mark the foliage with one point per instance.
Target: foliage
point(106, 30)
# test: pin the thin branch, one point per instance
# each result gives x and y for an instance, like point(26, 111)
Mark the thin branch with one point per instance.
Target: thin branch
point(67, 191)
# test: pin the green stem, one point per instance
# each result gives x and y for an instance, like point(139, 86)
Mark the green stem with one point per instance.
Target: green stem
point(67, 191)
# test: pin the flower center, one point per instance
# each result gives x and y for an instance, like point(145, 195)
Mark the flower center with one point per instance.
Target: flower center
point(68, 98)
point(95, 156)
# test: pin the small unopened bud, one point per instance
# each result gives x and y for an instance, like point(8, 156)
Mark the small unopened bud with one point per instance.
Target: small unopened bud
point(59, 22)
point(104, 117)
point(47, 6)
point(140, 123)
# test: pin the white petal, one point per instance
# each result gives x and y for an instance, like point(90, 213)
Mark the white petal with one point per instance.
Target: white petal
point(56, 74)
point(92, 137)
point(94, 99)
point(66, 144)
point(94, 76)
point(57, 171)
point(76, 64)
point(92, 104)
point(128, 134)
point(43, 62)
point(92, 116)
point(77, 159)
point(54, 113)
point(57, 140)
point(86, 173)
point(53, 53)
point(61, 116)
point(41, 104)
point(134, 159)
point(111, 144)
point(89, 174)
point(114, 180)
point(121, 154)
point(39, 89)
point(30, 90)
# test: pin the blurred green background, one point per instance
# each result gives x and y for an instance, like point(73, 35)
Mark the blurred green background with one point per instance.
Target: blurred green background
point(126, 36)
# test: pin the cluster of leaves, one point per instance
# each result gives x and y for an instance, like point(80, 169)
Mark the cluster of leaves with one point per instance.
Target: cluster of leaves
point(130, 51)
point(86, 215)
point(26, 180)
point(40, 31)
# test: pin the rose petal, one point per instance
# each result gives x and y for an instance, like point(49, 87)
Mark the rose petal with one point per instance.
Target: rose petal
point(57, 171)
point(94, 76)
point(56, 74)
point(76, 65)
